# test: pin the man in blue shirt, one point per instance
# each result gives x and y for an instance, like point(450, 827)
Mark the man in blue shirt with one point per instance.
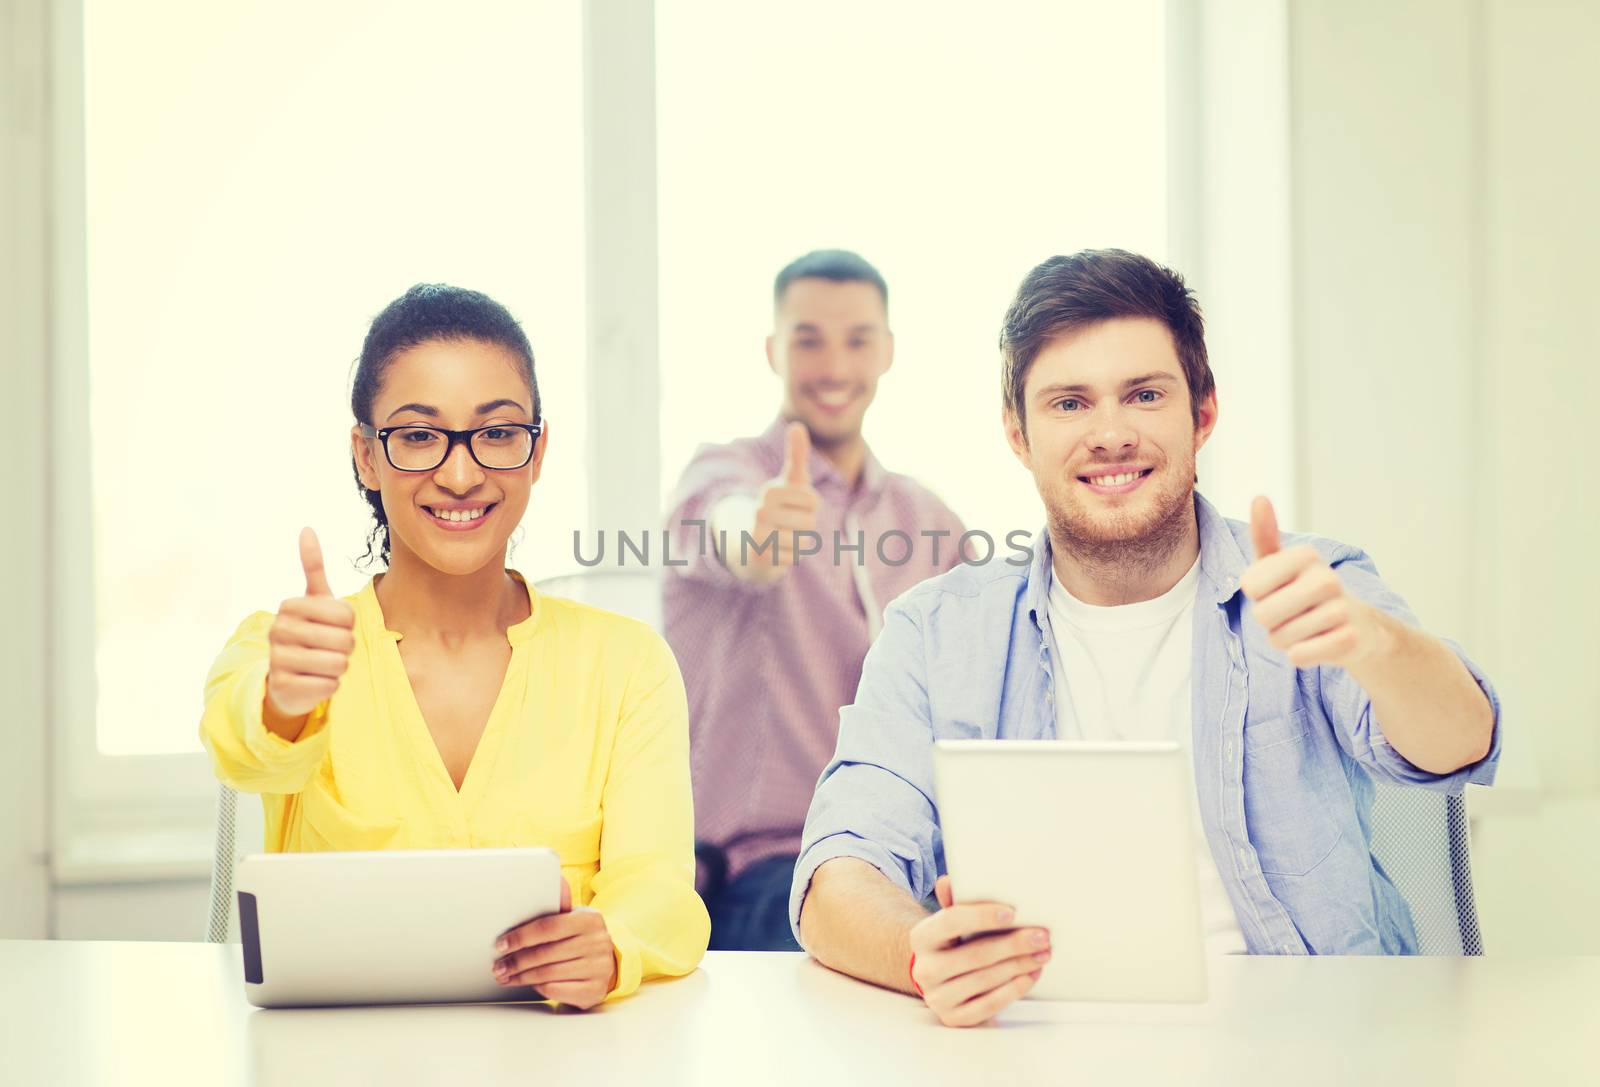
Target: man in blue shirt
point(1294, 675)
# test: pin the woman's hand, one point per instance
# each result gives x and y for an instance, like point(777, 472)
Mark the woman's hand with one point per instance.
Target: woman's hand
point(567, 956)
point(309, 647)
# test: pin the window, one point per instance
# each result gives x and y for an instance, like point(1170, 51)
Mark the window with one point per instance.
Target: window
point(954, 147)
point(260, 182)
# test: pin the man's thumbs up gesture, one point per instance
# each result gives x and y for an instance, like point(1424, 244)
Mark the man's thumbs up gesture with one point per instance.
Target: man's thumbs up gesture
point(787, 505)
point(1302, 603)
point(309, 647)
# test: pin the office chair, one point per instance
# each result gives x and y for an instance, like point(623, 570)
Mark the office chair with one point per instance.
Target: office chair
point(240, 831)
point(1419, 838)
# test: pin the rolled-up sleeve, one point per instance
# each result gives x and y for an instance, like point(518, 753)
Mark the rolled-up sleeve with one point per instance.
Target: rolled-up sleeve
point(244, 754)
point(645, 885)
point(1349, 707)
point(874, 800)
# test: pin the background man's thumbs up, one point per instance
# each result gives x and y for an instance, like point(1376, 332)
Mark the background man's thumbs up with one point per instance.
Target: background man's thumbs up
point(786, 508)
point(797, 451)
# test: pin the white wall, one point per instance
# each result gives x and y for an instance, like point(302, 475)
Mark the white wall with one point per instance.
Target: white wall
point(1388, 352)
point(168, 910)
point(1229, 192)
point(1541, 400)
point(24, 641)
point(1445, 234)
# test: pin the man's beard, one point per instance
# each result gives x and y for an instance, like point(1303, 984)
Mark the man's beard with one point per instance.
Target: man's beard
point(1115, 547)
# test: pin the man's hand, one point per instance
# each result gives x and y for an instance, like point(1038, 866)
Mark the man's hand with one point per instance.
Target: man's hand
point(1302, 603)
point(1424, 700)
point(787, 505)
point(567, 956)
point(970, 961)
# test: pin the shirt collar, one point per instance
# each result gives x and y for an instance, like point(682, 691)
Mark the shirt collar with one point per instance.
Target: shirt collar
point(1221, 562)
point(370, 613)
point(1037, 593)
point(520, 633)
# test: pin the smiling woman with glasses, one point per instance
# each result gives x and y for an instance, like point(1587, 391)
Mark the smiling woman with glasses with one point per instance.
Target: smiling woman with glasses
point(448, 704)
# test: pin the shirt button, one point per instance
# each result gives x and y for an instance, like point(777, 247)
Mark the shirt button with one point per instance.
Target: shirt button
point(1227, 750)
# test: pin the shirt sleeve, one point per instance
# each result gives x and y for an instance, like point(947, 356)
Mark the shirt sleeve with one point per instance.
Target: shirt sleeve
point(874, 800)
point(645, 885)
point(245, 755)
point(717, 473)
point(1349, 707)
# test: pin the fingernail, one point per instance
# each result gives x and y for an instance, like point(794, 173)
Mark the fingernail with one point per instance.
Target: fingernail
point(1004, 917)
point(1040, 939)
point(500, 969)
point(502, 944)
point(1041, 956)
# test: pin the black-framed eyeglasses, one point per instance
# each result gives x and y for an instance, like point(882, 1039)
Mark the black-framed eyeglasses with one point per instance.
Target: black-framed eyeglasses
point(499, 447)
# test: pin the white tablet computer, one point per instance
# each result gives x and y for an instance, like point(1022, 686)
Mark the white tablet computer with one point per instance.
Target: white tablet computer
point(1093, 841)
point(394, 927)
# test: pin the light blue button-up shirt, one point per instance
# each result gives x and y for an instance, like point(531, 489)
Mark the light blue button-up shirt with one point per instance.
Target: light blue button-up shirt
point(1283, 758)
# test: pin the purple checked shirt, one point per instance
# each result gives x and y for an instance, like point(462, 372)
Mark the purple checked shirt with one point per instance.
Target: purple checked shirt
point(767, 666)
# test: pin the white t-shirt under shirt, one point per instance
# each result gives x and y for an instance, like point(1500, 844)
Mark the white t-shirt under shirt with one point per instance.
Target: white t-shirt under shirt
point(1123, 673)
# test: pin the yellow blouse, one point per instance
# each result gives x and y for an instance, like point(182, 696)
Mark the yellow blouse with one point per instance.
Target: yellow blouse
point(586, 751)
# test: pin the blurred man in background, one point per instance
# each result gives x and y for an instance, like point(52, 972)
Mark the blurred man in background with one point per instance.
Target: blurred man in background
point(796, 539)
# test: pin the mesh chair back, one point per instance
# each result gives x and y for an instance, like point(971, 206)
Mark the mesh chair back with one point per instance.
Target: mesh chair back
point(240, 831)
point(630, 591)
point(1419, 838)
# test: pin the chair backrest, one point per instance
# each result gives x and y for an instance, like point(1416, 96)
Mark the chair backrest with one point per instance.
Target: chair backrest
point(631, 591)
point(1419, 838)
point(240, 831)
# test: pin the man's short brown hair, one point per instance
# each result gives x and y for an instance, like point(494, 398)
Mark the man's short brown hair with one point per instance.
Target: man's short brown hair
point(1068, 293)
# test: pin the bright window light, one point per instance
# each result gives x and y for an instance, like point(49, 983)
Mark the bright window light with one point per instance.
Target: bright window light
point(262, 180)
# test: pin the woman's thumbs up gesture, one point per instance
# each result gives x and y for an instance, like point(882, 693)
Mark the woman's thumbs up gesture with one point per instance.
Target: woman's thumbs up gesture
point(310, 644)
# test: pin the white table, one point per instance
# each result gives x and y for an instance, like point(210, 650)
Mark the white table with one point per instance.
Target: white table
point(129, 1013)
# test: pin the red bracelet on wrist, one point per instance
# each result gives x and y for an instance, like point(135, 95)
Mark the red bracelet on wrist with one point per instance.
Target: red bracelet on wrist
point(911, 971)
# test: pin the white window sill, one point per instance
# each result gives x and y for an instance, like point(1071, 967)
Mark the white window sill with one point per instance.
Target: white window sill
point(142, 855)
